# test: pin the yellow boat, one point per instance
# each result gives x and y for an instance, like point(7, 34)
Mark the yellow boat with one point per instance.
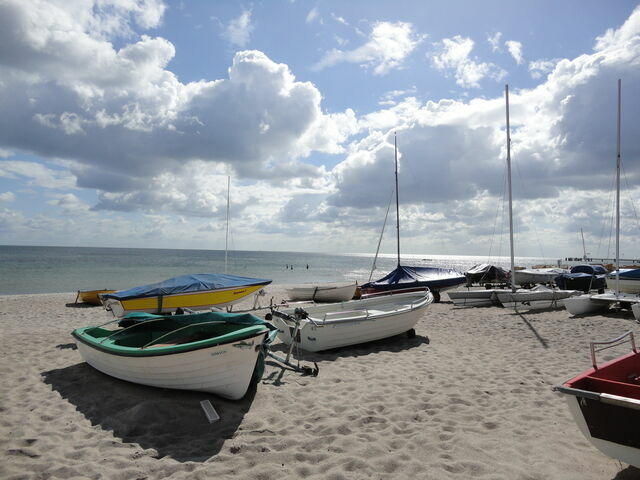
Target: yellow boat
point(91, 296)
point(195, 292)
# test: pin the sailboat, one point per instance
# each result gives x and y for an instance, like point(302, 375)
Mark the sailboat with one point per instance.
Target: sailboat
point(200, 291)
point(593, 303)
point(405, 278)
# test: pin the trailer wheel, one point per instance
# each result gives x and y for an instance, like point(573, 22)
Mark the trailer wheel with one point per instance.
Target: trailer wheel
point(436, 296)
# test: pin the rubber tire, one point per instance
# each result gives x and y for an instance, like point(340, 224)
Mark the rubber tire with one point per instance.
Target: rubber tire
point(436, 296)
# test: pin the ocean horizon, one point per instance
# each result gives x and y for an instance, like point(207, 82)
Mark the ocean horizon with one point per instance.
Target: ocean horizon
point(53, 269)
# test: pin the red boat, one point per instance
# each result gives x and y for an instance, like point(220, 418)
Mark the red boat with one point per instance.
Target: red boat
point(605, 402)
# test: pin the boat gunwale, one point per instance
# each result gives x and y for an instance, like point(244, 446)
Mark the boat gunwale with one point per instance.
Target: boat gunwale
point(193, 292)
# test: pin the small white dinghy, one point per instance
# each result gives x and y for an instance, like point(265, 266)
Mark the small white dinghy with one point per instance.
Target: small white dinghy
point(323, 292)
point(538, 297)
point(321, 327)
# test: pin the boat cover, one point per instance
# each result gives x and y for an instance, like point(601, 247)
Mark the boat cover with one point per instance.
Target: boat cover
point(629, 273)
point(486, 273)
point(414, 277)
point(583, 277)
point(187, 284)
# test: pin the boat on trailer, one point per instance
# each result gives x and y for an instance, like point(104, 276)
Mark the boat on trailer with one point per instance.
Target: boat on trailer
point(605, 402)
point(476, 297)
point(322, 327)
point(214, 352)
point(538, 297)
point(200, 291)
point(323, 292)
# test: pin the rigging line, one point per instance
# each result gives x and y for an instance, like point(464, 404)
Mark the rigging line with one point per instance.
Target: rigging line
point(604, 223)
point(533, 226)
point(495, 219)
point(626, 181)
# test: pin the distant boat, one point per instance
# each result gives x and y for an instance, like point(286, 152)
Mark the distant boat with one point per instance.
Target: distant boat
point(406, 278)
point(323, 292)
point(605, 402)
point(583, 277)
point(534, 276)
point(485, 273)
point(322, 327)
point(213, 352)
point(625, 282)
point(200, 291)
point(629, 279)
point(92, 297)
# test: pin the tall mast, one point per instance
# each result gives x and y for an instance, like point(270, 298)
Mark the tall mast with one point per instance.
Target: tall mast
point(226, 241)
point(618, 160)
point(584, 249)
point(395, 146)
point(513, 271)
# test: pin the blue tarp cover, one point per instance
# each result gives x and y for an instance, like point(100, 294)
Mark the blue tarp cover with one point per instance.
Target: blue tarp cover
point(187, 283)
point(411, 277)
point(627, 273)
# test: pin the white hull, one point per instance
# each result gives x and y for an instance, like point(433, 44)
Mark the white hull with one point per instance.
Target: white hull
point(475, 298)
point(323, 292)
point(626, 285)
point(584, 304)
point(635, 308)
point(623, 453)
point(354, 322)
point(532, 299)
point(224, 370)
point(532, 275)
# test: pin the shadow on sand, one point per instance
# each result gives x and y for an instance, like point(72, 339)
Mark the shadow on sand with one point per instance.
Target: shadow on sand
point(397, 343)
point(629, 473)
point(169, 421)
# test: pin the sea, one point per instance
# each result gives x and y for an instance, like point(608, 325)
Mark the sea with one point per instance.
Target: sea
point(41, 269)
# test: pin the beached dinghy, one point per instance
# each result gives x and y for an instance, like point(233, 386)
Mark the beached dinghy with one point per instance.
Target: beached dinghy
point(321, 327)
point(323, 292)
point(539, 297)
point(214, 352)
point(194, 292)
point(92, 297)
point(605, 402)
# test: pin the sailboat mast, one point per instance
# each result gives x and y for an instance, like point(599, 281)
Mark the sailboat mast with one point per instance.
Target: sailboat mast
point(226, 241)
point(395, 146)
point(584, 249)
point(618, 192)
point(513, 288)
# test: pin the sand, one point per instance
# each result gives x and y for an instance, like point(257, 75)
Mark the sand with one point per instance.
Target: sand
point(469, 397)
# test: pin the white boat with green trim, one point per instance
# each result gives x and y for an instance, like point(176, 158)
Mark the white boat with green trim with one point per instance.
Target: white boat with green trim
point(214, 352)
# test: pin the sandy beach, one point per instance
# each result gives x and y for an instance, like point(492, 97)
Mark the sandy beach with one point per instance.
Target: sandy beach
point(469, 397)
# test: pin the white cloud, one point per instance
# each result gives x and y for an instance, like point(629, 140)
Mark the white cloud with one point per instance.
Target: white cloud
point(238, 31)
point(7, 197)
point(388, 46)
point(454, 56)
point(37, 174)
point(313, 15)
point(538, 68)
point(515, 49)
point(494, 41)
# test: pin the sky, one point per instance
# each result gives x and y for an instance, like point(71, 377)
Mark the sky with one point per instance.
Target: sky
point(122, 122)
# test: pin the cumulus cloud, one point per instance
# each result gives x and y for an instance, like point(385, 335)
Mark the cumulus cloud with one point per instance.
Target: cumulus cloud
point(538, 68)
point(388, 45)
point(238, 31)
point(454, 56)
point(120, 116)
point(37, 174)
point(515, 49)
point(494, 41)
point(7, 197)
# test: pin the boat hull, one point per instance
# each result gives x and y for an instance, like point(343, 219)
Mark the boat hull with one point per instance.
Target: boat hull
point(616, 439)
point(92, 297)
point(535, 299)
point(323, 293)
point(533, 276)
point(354, 322)
point(225, 370)
point(202, 300)
point(475, 298)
